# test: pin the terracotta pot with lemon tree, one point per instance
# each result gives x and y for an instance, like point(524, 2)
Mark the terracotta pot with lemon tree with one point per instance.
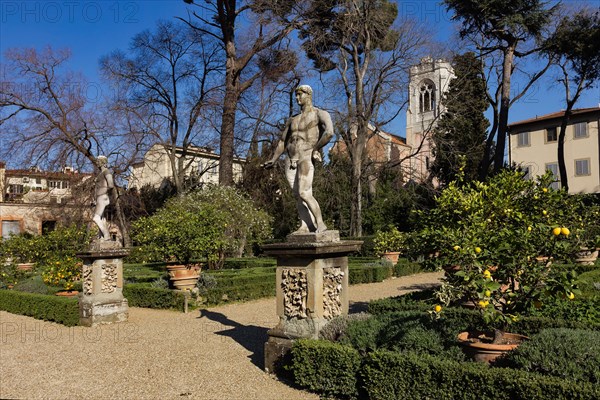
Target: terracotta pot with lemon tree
point(495, 231)
point(389, 244)
point(178, 234)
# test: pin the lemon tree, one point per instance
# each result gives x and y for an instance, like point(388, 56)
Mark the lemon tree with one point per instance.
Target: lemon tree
point(502, 237)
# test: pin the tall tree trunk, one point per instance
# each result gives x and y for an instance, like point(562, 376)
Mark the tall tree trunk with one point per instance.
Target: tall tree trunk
point(356, 204)
point(357, 165)
point(509, 55)
point(562, 168)
point(122, 221)
point(228, 118)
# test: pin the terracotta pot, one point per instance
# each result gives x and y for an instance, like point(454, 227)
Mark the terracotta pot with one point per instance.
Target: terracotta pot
point(391, 256)
point(67, 293)
point(450, 269)
point(25, 266)
point(185, 283)
point(481, 350)
point(184, 277)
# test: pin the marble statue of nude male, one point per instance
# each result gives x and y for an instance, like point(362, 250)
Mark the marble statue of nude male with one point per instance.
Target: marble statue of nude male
point(303, 136)
point(104, 184)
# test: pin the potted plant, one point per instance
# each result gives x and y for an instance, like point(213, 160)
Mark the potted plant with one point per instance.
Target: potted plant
point(178, 233)
point(494, 232)
point(63, 272)
point(389, 244)
point(588, 237)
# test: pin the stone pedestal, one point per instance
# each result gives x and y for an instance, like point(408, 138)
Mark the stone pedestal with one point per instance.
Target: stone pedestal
point(101, 300)
point(312, 288)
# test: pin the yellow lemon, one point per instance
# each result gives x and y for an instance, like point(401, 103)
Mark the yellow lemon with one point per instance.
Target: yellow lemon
point(488, 293)
point(556, 231)
point(477, 250)
point(571, 295)
point(487, 274)
point(483, 303)
point(545, 212)
point(456, 248)
point(529, 228)
point(438, 308)
point(565, 231)
point(544, 190)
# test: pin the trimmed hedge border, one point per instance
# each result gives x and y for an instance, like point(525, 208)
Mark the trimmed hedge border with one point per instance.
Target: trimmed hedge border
point(140, 295)
point(39, 306)
point(336, 370)
point(389, 375)
point(325, 367)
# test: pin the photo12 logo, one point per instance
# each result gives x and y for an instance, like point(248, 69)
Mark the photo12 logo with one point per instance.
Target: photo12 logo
point(69, 11)
point(38, 332)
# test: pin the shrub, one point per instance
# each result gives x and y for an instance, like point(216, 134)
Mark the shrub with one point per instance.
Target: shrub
point(584, 310)
point(34, 284)
point(389, 241)
point(205, 224)
point(405, 268)
point(589, 282)
point(49, 308)
point(336, 327)
point(368, 273)
point(389, 375)
point(571, 354)
point(362, 334)
point(325, 367)
point(139, 295)
point(494, 232)
point(62, 271)
point(10, 275)
point(180, 231)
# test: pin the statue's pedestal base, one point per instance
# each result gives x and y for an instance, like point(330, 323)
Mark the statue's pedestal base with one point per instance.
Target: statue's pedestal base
point(312, 288)
point(102, 301)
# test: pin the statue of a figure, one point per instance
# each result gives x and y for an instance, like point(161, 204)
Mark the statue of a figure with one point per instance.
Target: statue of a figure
point(104, 184)
point(302, 138)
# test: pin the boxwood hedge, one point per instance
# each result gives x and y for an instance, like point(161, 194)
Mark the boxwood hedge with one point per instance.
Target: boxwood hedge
point(63, 310)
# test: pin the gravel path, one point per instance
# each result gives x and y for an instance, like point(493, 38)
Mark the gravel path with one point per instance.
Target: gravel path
point(157, 354)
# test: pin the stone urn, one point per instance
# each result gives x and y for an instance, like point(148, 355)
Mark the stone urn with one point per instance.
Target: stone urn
point(586, 256)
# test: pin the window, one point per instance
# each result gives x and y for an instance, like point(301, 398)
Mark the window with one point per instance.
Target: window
point(582, 167)
point(10, 228)
point(553, 167)
point(58, 184)
point(15, 189)
point(580, 130)
point(48, 226)
point(426, 96)
point(523, 139)
point(551, 135)
point(38, 181)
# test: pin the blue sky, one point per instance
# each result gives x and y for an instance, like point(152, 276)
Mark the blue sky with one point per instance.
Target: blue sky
point(92, 29)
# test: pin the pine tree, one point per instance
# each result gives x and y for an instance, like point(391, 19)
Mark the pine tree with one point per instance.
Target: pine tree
point(462, 129)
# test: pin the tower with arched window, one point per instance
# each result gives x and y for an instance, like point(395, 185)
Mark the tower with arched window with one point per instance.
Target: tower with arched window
point(428, 81)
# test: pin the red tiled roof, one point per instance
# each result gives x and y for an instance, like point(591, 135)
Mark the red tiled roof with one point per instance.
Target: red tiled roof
point(554, 115)
point(44, 174)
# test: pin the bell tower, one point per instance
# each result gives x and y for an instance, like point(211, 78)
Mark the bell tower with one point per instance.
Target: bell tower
point(428, 82)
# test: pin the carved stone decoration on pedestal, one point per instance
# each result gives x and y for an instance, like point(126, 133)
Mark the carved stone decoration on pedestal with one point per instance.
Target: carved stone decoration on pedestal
point(295, 292)
point(333, 279)
point(102, 301)
point(312, 288)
